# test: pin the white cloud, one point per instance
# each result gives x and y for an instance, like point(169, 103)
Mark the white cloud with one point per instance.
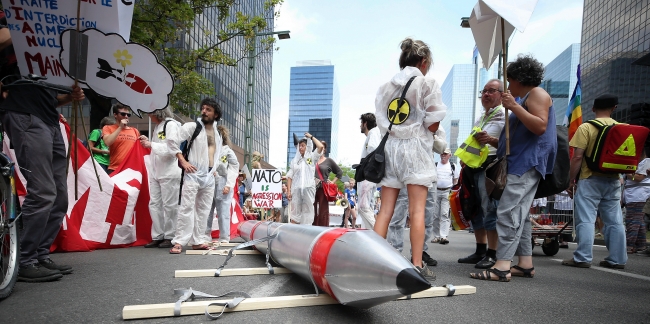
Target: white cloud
point(295, 21)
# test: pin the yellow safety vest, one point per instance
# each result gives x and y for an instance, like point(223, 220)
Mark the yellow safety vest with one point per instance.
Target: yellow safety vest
point(471, 152)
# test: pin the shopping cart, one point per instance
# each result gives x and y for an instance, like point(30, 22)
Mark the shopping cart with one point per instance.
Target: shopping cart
point(552, 222)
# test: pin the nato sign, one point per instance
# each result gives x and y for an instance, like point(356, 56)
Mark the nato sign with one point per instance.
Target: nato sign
point(266, 188)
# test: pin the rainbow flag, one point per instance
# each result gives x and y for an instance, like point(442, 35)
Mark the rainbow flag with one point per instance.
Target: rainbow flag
point(573, 117)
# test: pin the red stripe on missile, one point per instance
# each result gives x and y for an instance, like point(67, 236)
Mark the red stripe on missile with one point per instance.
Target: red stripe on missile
point(319, 255)
point(253, 233)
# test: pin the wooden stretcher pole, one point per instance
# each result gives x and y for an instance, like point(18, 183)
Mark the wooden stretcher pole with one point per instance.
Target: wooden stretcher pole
point(199, 307)
point(505, 78)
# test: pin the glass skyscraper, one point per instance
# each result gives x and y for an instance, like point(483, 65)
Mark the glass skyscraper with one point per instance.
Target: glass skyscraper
point(560, 79)
point(230, 81)
point(614, 34)
point(313, 105)
point(460, 95)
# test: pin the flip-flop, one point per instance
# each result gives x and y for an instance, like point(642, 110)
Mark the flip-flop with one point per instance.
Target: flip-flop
point(176, 249)
point(201, 247)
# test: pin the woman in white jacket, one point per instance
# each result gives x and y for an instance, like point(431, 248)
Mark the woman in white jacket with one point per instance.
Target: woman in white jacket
point(226, 179)
point(408, 151)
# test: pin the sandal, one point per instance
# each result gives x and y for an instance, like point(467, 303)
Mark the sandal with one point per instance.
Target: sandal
point(487, 275)
point(201, 247)
point(176, 249)
point(526, 273)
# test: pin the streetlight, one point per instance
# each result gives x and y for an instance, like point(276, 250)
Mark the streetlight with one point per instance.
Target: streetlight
point(464, 22)
point(250, 94)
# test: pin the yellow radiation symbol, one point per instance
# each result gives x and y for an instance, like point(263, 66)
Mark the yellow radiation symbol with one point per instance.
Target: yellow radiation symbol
point(402, 115)
point(224, 159)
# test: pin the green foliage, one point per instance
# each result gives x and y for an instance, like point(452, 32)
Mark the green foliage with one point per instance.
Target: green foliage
point(347, 171)
point(159, 23)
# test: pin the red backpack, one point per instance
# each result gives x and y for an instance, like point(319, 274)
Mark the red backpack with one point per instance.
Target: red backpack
point(618, 147)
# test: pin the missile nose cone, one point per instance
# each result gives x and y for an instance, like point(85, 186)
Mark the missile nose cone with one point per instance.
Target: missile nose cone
point(410, 281)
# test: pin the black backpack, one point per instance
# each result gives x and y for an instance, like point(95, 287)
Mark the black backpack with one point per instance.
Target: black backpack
point(185, 150)
point(558, 181)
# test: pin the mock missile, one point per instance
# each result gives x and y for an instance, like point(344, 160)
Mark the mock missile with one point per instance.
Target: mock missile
point(356, 267)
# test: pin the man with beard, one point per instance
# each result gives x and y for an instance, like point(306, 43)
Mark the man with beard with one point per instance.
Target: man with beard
point(198, 181)
point(366, 189)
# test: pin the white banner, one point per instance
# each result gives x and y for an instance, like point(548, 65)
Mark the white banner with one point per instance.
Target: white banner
point(266, 188)
point(36, 26)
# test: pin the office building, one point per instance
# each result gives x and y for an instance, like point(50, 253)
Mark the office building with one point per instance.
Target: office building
point(313, 105)
point(615, 34)
point(560, 79)
point(460, 95)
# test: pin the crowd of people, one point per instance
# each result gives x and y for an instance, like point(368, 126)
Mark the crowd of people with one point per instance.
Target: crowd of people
point(194, 172)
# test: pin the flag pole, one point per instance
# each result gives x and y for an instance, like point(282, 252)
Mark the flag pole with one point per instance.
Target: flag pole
point(505, 79)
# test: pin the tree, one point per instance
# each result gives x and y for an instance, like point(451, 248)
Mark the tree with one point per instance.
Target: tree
point(158, 25)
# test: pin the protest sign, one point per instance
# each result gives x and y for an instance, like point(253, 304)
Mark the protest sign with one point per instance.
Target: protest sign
point(113, 68)
point(266, 188)
point(36, 27)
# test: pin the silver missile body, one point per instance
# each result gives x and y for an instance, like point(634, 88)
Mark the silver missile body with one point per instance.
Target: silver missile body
point(356, 267)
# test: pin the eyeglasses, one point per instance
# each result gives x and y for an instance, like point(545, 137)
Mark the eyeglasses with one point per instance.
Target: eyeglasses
point(489, 91)
point(125, 114)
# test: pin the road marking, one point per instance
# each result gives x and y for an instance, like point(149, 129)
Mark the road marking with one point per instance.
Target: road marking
point(627, 274)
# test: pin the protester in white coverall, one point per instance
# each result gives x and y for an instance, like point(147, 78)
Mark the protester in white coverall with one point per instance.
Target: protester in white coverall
point(366, 189)
point(198, 181)
point(164, 179)
point(226, 179)
point(300, 179)
point(408, 156)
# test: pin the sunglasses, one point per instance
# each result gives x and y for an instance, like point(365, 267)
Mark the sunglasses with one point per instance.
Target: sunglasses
point(125, 114)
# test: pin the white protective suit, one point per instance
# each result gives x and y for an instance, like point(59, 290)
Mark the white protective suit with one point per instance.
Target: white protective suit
point(226, 176)
point(303, 190)
point(409, 156)
point(198, 187)
point(366, 189)
point(164, 182)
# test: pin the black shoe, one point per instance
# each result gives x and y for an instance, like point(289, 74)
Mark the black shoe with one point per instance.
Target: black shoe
point(36, 273)
point(444, 241)
point(486, 263)
point(428, 260)
point(165, 244)
point(48, 263)
point(472, 258)
point(153, 244)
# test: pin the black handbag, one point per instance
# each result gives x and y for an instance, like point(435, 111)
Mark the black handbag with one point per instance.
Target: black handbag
point(373, 167)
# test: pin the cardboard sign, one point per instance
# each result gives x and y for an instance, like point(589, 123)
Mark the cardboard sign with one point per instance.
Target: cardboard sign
point(266, 188)
point(128, 72)
point(36, 27)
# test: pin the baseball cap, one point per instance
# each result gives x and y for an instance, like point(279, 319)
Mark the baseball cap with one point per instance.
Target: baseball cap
point(447, 151)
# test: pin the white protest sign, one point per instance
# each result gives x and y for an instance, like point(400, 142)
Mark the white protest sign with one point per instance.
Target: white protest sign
point(36, 26)
point(128, 72)
point(266, 188)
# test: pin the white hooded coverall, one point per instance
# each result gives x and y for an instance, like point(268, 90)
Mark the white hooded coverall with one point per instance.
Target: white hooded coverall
point(408, 151)
point(226, 176)
point(366, 189)
point(303, 190)
point(198, 187)
point(164, 182)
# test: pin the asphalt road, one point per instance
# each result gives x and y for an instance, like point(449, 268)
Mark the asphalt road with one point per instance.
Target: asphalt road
point(105, 281)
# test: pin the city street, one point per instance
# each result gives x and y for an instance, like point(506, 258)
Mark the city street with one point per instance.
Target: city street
point(105, 281)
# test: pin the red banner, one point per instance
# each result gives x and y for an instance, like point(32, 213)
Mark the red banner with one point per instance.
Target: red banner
point(116, 216)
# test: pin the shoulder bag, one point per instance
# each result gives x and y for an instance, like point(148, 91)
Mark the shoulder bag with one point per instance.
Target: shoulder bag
point(330, 189)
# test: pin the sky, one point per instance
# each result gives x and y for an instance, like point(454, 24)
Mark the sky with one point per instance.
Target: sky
point(361, 38)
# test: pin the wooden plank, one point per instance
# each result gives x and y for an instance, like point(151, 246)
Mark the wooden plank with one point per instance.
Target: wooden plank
point(198, 307)
point(220, 252)
point(217, 244)
point(228, 272)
